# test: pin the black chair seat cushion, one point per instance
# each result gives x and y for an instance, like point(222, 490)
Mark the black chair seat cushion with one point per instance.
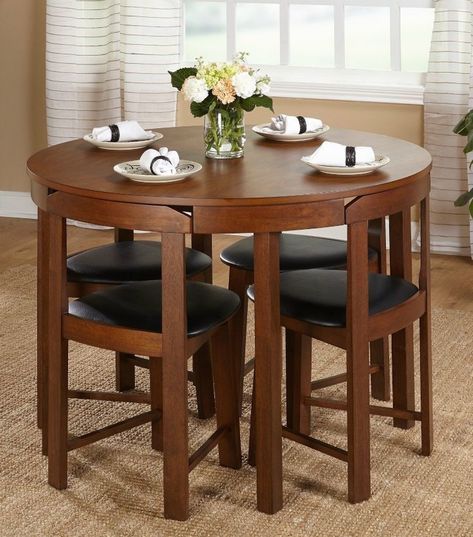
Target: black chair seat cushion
point(126, 262)
point(297, 252)
point(318, 296)
point(138, 305)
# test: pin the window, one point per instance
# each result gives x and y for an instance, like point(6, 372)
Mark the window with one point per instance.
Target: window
point(320, 48)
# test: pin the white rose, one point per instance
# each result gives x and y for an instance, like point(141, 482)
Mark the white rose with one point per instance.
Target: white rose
point(244, 84)
point(263, 87)
point(194, 89)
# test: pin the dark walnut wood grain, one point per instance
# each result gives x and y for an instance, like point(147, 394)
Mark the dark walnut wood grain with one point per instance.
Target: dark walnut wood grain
point(270, 172)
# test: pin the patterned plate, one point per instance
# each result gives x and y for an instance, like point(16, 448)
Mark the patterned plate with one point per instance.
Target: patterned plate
point(264, 130)
point(358, 169)
point(124, 146)
point(132, 170)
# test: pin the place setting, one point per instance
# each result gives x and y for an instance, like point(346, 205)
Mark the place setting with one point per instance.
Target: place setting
point(158, 166)
point(337, 159)
point(285, 128)
point(122, 136)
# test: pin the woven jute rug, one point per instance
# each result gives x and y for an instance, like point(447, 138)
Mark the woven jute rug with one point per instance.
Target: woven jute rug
point(115, 485)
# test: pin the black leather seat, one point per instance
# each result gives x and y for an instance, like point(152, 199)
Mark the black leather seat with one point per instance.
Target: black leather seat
point(128, 261)
point(319, 296)
point(138, 306)
point(297, 252)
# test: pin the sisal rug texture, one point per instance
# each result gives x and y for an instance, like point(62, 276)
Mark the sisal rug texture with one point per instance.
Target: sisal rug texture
point(115, 485)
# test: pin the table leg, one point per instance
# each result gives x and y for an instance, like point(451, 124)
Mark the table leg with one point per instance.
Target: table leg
point(57, 354)
point(42, 327)
point(201, 361)
point(268, 366)
point(402, 341)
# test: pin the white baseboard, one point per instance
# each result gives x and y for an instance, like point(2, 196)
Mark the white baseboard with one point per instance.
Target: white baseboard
point(17, 205)
point(20, 205)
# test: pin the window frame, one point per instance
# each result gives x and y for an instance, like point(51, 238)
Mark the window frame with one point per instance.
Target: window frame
point(337, 83)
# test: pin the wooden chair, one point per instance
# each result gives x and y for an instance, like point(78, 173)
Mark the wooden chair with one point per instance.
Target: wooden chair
point(142, 318)
point(298, 252)
point(349, 309)
point(126, 261)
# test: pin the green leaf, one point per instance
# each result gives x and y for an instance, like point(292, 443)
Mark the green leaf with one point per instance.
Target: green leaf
point(201, 109)
point(465, 125)
point(178, 77)
point(464, 199)
point(251, 103)
point(469, 146)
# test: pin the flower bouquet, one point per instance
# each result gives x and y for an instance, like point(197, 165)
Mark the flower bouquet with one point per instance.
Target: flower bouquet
point(223, 92)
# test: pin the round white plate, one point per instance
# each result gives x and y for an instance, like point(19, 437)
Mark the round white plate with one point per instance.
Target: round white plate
point(281, 137)
point(132, 170)
point(123, 146)
point(358, 169)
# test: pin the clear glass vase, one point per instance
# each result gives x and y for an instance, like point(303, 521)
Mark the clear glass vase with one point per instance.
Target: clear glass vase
point(224, 133)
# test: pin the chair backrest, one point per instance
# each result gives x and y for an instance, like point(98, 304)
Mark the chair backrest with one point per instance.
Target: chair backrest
point(396, 204)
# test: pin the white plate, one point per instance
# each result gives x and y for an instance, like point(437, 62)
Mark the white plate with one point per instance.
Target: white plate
point(123, 146)
point(281, 137)
point(358, 169)
point(132, 170)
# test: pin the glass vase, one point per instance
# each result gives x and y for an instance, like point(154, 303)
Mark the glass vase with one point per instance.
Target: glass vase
point(224, 133)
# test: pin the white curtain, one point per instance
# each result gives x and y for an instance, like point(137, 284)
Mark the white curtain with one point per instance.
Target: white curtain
point(448, 97)
point(107, 60)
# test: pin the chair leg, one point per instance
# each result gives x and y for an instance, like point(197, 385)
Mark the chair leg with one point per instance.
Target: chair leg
point(298, 380)
point(238, 282)
point(156, 394)
point(379, 350)
point(201, 361)
point(124, 372)
point(226, 398)
point(57, 416)
point(252, 439)
point(358, 383)
point(426, 384)
point(202, 369)
point(403, 374)
point(380, 381)
point(175, 437)
point(358, 421)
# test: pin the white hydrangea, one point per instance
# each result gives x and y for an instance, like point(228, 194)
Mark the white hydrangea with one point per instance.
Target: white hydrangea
point(263, 87)
point(194, 89)
point(244, 84)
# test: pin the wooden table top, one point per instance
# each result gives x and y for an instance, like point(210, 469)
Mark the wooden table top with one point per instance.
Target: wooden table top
point(270, 173)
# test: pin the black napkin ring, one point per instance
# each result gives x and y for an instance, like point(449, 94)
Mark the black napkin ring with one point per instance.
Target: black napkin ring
point(159, 157)
point(115, 133)
point(350, 156)
point(302, 124)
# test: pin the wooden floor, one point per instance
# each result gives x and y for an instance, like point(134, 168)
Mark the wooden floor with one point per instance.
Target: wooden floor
point(452, 277)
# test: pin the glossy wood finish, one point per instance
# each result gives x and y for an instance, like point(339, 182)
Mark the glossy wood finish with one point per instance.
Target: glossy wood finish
point(379, 349)
point(402, 341)
point(269, 174)
point(201, 361)
point(362, 328)
point(268, 372)
point(358, 418)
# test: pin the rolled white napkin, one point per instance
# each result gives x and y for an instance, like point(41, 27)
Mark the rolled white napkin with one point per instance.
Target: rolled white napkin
point(333, 154)
point(123, 131)
point(160, 162)
point(294, 124)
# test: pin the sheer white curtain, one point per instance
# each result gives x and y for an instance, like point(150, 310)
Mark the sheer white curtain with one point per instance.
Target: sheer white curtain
point(107, 60)
point(448, 97)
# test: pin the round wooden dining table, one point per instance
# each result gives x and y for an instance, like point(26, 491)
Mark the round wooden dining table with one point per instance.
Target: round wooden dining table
point(268, 191)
